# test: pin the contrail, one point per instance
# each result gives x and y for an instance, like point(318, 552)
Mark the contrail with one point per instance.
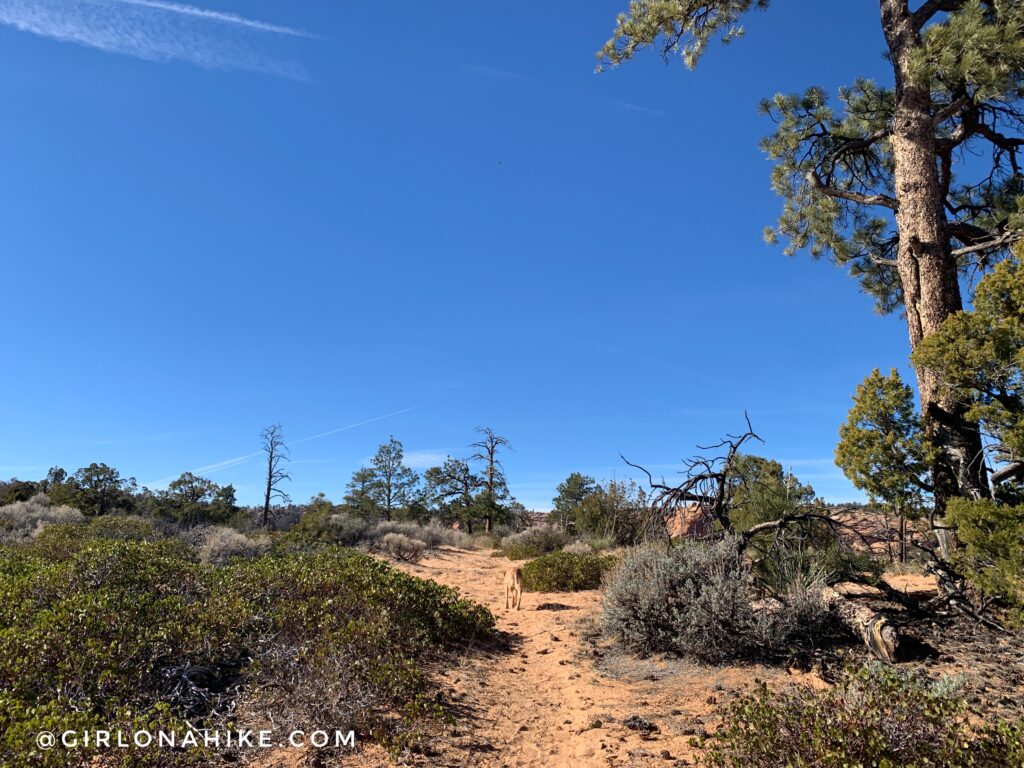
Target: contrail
point(352, 426)
point(227, 18)
point(226, 463)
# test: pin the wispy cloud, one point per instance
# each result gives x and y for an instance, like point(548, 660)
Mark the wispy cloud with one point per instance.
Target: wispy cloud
point(157, 30)
point(494, 72)
point(431, 457)
point(638, 108)
point(234, 462)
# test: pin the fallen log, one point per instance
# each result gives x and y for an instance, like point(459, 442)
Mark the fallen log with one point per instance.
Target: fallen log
point(871, 627)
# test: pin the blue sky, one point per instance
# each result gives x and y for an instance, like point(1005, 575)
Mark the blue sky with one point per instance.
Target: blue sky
point(413, 221)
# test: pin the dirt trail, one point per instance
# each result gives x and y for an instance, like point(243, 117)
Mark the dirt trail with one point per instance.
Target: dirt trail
point(543, 702)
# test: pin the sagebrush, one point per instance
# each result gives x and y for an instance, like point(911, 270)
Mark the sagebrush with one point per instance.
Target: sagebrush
point(696, 599)
point(534, 542)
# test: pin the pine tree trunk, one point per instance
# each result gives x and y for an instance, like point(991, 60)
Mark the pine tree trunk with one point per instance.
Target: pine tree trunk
point(903, 538)
point(927, 268)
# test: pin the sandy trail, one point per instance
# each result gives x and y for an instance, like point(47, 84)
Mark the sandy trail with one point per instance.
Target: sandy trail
point(541, 701)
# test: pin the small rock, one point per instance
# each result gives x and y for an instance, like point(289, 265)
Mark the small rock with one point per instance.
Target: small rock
point(636, 723)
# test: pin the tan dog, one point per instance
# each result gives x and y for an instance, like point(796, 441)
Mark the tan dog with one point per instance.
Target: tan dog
point(514, 586)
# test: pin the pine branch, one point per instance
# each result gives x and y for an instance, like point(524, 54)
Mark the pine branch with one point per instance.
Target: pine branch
point(925, 13)
point(854, 197)
point(1003, 240)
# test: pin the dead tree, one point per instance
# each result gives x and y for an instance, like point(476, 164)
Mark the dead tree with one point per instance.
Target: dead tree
point(495, 485)
point(710, 483)
point(272, 443)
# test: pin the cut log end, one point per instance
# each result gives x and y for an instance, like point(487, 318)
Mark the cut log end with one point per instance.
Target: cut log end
point(884, 640)
point(872, 628)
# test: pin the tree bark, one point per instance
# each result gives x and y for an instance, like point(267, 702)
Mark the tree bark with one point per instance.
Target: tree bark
point(903, 538)
point(927, 268)
point(872, 628)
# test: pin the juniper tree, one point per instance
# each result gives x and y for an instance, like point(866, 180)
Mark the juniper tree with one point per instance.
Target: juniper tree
point(453, 486)
point(979, 356)
point(761, 489)
point(99, 489)
point(882, 448)
point(571, 493)
point(192, 500)
point(876, 179)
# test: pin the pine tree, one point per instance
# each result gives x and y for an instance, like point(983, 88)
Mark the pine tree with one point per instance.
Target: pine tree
point(875, 179)
point(393, 483)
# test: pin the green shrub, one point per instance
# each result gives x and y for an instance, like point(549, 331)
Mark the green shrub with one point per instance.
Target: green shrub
point(875, 716)
point(534, 542)
point(121, 528)
point(599, 543)
point(107, 628)
point(991, 554)
point(565, 572)
point(697, 600)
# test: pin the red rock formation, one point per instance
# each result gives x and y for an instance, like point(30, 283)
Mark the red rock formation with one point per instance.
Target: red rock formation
point(689, 522)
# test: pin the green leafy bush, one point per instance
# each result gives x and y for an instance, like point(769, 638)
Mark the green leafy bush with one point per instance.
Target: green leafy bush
point(565, 572)
point(121, 528)
point(92, 631)
point(534, 542)
point(875, 716)
point(992, 550)
point(697, 600)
